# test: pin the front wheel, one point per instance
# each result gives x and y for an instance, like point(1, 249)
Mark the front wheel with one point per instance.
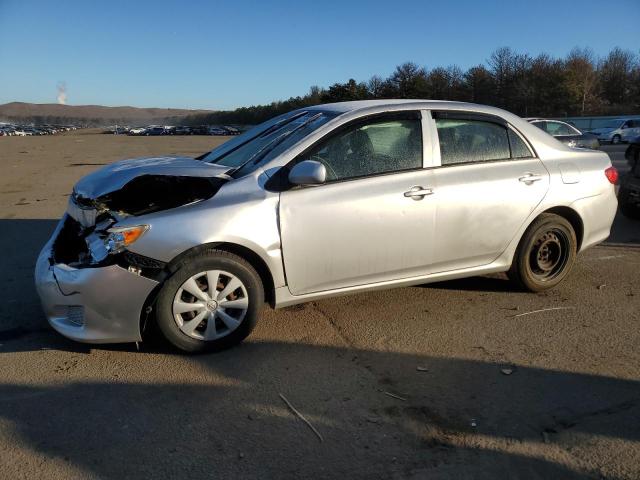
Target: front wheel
point(545, 254)
point(615, 140)
point(211, 302)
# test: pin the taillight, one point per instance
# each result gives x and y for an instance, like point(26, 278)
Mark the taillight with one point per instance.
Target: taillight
point(612, 174)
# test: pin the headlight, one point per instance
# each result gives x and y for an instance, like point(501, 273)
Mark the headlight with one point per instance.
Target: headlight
point(120, 238)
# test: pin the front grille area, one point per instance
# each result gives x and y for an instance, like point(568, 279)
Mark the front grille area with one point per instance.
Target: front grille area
point(75, 315)
point(141, 261)
point(70, 247)
point(86, 216)
point(149, 267)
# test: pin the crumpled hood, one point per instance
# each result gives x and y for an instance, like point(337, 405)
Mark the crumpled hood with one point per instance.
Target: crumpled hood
point(116, 175)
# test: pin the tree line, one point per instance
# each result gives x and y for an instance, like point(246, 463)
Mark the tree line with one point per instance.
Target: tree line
point(577, 85)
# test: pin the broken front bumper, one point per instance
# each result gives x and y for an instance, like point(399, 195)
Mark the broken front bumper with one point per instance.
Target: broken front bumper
point(93, 305)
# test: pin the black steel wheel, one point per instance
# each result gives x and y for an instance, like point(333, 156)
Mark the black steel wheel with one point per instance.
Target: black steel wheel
point(545, 253)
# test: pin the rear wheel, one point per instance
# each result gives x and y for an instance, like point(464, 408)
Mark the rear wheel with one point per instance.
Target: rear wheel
point(545, 254)
point(211, 302)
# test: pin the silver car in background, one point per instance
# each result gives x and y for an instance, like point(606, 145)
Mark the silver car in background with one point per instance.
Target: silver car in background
point(322, 201)
point(566, 133)
point(618, 131)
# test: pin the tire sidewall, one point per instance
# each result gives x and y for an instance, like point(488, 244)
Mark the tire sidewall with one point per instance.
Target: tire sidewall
point(526, 276)
point(201, 263)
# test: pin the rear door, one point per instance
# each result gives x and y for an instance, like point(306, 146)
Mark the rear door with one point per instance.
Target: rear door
point(487, 183)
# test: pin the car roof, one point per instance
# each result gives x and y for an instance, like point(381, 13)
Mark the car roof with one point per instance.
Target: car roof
point(533, 120)
point(344, 107)
point(545, 144)
point(363, 107)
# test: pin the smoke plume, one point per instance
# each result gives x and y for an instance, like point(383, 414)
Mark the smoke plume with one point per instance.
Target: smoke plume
point(62, 93)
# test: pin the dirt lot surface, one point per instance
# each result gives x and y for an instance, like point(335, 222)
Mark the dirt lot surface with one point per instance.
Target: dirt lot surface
point(450, 380)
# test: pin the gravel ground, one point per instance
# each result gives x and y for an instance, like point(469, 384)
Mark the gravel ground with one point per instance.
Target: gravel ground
point(449, 380)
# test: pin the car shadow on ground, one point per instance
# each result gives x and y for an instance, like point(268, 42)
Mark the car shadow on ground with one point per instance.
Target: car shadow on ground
point(489, 283)
point(221, 415)
point(625, 230)
point(375, 411)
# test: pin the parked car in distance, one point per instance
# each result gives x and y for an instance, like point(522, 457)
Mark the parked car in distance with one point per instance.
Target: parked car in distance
point(629, 194)
point(566, 133)
point(231, 130)
point(183, 130)
point(118, 130)
point(344, 197)
point(200, 130)
point(217, 131)
point(8, 129)
point(154, 131)
point(137, 131)
point(618, 131)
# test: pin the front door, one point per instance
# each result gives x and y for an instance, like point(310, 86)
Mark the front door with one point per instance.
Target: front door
point(372, 220)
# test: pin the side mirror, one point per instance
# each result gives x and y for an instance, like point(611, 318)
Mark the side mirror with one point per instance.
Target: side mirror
point(308, 172)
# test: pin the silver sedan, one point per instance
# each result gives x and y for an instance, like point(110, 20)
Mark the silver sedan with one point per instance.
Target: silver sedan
point(322, 201)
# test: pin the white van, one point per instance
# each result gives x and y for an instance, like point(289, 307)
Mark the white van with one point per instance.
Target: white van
point(618, 130)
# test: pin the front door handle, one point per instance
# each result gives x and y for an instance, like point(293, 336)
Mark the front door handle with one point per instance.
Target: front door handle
point(418, 192)
point(528, 178)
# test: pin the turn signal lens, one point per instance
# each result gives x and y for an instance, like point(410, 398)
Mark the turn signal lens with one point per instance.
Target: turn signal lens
point(120, 238)
point(612, 175)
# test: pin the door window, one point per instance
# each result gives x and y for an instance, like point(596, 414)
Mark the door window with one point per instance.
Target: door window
point(375, 147)
point(519, 149)
point(469, 140)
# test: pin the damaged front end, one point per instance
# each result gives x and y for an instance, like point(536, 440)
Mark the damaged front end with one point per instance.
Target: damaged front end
point(90, 236)
point(92, 287)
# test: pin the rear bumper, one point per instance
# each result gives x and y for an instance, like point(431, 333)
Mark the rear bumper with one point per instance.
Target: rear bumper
point(92, 305)
point(597, 215)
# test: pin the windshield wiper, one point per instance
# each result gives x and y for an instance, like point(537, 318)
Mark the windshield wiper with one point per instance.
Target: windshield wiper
point(264, 151)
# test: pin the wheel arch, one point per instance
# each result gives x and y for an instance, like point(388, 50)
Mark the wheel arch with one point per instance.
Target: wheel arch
point(243, 252)
point(572, 217)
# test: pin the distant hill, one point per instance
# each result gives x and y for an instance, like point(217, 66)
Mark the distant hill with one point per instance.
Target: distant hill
point(93, 115)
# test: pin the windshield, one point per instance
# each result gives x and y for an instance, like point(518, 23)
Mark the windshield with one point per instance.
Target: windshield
point(248, 151)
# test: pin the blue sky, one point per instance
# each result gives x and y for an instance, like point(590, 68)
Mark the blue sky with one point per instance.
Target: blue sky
point(219, 55)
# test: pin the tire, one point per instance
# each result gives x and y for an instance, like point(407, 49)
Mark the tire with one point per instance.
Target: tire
point(178, 325)
point(615, 140)
point(545, 254)
point(626, 207)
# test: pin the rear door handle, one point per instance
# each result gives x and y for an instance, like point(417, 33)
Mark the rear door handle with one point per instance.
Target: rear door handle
point(528, 178)
point(418, 192)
